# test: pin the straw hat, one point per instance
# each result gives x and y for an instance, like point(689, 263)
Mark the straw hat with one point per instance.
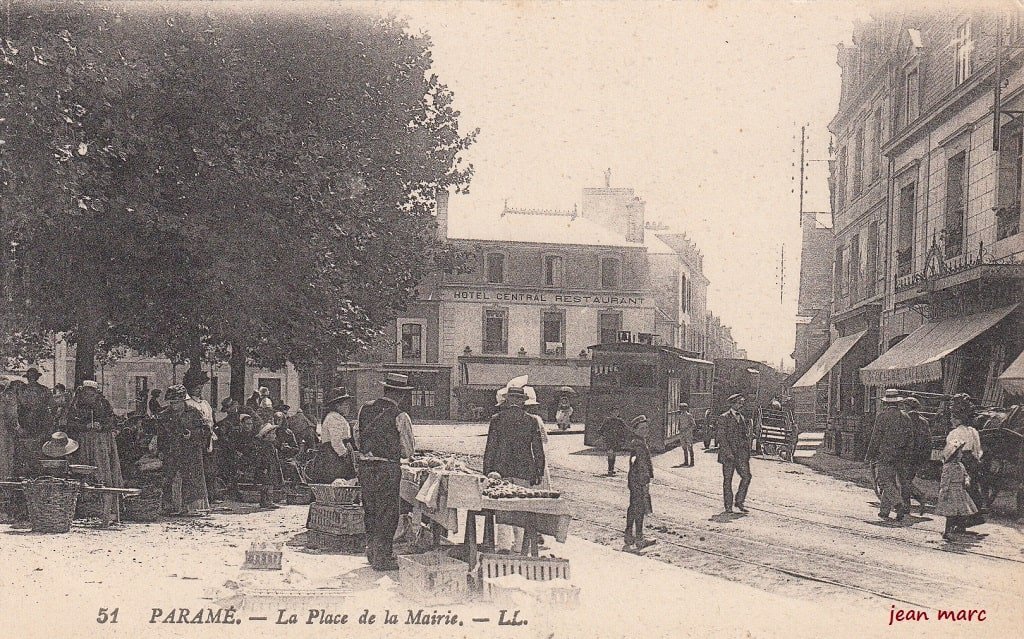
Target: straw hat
point(59, 445)
point(891, 396)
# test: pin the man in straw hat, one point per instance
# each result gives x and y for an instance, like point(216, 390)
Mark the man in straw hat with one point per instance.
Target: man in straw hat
point(734, 452)
point(891, 445)
point(514, 450)
point(183, 435)
point(385, 437)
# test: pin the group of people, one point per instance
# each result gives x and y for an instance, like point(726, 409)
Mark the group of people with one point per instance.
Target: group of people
point(900, 444)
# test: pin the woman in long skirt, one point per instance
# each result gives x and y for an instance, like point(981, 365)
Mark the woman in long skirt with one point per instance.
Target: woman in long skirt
point(91, 421)
point(8, 441)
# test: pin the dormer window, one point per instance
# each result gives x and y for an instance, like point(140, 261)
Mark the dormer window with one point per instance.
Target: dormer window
point(964, 52)
point(495, 268)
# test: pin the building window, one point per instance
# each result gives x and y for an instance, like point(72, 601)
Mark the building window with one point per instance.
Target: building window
point(611, 272)
point(871, 271)
point(424, 398)
point(684, 293)
point(552, 333)
point(609, 325)
point(839, 275)
point(495, 331)
point(905, 246)
point(876, 146)
point(858, 161)
point(412, 342)
point(1011, 145)
point(495, 268)
point(855, 267)
point(911, 95)
point(956, 204)
point(840, 180)
point(552, 270)
point(138, 393)
point(964, 52)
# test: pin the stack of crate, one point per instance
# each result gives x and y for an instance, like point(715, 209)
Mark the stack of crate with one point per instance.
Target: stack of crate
point(335, 521)
point(510, 579)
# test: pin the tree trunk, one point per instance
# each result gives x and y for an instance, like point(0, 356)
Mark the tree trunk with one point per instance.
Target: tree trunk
point(85, 353)
point(237, 362)
point(195, 359)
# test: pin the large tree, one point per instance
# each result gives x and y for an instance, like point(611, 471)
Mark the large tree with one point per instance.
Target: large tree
point(253, 178)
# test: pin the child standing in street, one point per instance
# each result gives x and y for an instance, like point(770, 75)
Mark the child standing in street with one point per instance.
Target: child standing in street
point(954, 503)
point(641, 472)
point(563, 416)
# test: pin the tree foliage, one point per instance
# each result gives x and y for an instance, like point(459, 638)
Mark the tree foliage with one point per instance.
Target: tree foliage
point(182, 179)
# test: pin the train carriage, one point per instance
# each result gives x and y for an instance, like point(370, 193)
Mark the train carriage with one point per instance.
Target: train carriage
point(643, 379)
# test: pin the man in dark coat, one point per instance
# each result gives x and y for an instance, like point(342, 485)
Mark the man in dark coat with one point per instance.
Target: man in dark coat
point(641, 472)
point(734, 452)
point(36, 415)
point(613, 433)
point(891, 446)
point(514, 447)
point(182, 440)
point(230, 447)
point(385, 436)
point(922, 450)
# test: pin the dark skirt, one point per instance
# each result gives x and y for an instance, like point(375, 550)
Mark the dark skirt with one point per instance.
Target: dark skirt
point(327, 465)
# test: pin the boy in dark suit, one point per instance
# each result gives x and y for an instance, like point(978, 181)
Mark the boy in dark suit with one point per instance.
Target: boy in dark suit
point(641, 472)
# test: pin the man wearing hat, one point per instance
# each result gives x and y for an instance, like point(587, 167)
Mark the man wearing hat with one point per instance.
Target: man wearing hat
point(194, 381)
point(184, 435)
point(514, 448)
point(641, 472)
point(335, 458)
point(229, 447)
point(734, 452)
point(35, 416)
point(686, 427)
point(891, 445)
point(613, 434)
point(385, 437)
point(267, 463)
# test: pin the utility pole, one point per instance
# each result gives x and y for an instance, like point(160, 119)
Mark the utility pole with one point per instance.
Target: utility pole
point(803, 140)
point(782, 273)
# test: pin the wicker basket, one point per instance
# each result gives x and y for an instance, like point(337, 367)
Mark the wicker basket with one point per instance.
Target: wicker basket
point(433, 576)
point(336, 495)
point(337, 520)
point(145, 507)
point(492, 565)
point(51, 504)
point(330, 542)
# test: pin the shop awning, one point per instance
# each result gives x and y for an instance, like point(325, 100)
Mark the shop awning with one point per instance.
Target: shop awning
point(497, 374)
point(918, 358)
point(836, 351)
point(1012, 378)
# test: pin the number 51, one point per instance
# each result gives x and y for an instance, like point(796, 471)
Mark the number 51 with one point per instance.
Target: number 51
point(105, 617)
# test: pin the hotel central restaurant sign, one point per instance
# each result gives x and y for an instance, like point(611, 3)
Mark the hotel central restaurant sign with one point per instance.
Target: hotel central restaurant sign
point(559, 298)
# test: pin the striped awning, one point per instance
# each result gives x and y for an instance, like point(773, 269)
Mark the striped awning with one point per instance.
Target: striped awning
point(918, 358)
point(836, 351)
point(1012, 379)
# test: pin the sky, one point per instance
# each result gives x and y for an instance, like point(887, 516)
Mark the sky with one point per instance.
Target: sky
point(696, 105)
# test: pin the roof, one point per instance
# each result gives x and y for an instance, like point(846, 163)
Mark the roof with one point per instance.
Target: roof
point(918, 358)
point(537, 228)
point(835, 352)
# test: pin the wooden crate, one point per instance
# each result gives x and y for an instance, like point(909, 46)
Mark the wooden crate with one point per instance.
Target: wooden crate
point(330, 542)
point(492, 565)
point(433, 576)
point(339, 520)
point(561, 596)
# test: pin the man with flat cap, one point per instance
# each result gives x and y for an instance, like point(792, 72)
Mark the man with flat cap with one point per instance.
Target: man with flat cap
point(385, 437)
point(734, 452)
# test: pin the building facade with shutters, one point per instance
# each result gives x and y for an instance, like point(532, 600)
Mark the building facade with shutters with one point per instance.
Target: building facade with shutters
point(541, 288)
point(926, 188)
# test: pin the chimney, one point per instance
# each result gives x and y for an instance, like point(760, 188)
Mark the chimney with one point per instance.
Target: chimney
point(441, 213)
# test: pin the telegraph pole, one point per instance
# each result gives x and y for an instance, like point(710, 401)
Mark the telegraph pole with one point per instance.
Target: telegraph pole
point(803, 140)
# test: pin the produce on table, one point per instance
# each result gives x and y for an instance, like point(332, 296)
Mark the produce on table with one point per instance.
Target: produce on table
point(497, 488)
point(439, 462)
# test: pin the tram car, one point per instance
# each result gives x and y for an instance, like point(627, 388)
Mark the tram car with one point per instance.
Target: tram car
point(645, 379)
point(759, 383)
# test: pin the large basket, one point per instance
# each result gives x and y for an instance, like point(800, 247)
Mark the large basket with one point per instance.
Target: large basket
point(337, 520)
point(262, 560)
point(336, 495)
point(433, 576)
point(145, 507)
point(492, 565)
point(330, 542)
point(51, 504)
